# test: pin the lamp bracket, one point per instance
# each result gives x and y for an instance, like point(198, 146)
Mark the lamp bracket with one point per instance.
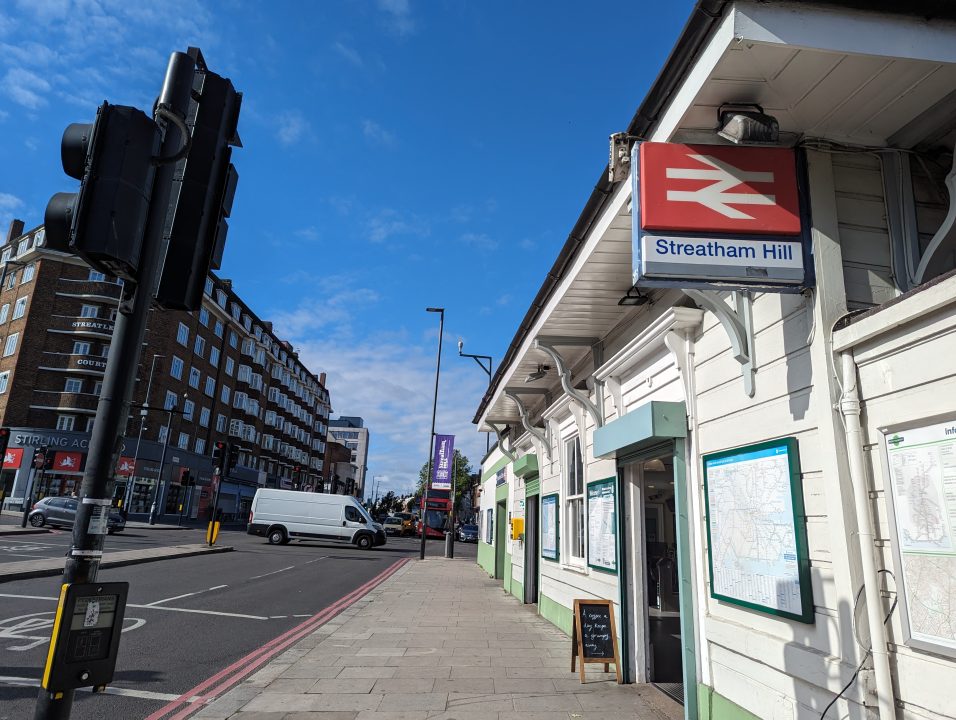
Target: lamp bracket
point(737, 323)
point(537, 432)
point(940, 248)
point(548, 345)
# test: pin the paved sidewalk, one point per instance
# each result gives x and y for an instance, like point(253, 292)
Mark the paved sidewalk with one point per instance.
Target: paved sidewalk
point(54, 566)
point(439, 640)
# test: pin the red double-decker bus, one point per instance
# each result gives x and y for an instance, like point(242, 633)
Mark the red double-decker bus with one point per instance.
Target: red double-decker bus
point(436, 514)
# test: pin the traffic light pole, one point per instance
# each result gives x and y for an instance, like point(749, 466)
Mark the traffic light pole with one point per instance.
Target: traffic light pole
point(112, 410)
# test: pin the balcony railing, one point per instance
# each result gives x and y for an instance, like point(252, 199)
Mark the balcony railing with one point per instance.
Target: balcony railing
point(92, 364)
point(90, 288)
point(65, 400)
point(93, 327)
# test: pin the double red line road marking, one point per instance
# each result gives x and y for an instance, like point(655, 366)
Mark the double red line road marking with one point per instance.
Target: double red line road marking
point(208, 690)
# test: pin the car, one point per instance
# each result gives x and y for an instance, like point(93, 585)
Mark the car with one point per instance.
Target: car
point(61, 512)
point(393, 525)
point(468, 533)
point(408, 522)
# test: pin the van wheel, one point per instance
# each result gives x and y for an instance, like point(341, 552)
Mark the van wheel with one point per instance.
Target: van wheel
point(277, 536)
point(37, 520)
point(363, 542)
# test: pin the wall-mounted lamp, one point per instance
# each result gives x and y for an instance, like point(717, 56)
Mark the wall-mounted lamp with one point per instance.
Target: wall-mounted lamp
point(538, 374)
point(747, 124)
point(634, 297)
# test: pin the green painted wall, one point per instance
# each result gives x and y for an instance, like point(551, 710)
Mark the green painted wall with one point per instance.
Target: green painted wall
point(517, 589)
point(486, 557)
point(712, 706)
point(555, 613)
point(506, 578)
point(501, 492)
point(490, 472)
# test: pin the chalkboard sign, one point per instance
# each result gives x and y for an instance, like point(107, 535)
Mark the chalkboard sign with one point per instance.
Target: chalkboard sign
point(594, 636)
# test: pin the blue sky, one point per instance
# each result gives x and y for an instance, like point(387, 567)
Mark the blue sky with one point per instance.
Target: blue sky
point(397, 155)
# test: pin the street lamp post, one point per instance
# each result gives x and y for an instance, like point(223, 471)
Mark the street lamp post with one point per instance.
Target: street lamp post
point(139, 438)
point(480, 360)
point(431, 438)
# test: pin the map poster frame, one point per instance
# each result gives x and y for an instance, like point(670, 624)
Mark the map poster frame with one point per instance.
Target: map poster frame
point(797, 517)
point(595, 490)
point(892, 439)
point(547, 553)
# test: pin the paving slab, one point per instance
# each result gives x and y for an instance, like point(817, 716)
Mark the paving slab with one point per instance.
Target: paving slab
point(437, 641)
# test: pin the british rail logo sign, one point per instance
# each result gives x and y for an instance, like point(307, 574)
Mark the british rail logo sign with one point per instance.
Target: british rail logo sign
point(716, 216)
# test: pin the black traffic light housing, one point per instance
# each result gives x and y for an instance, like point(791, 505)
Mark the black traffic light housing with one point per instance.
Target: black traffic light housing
point(220, 453)
point(104, 221)
point(4, 441)
point(203, 192)
point(233, 457)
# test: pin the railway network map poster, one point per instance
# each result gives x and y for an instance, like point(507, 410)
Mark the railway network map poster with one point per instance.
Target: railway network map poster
point(921, 464)
point(756, 533)
point(602, 525)
point(549, 527)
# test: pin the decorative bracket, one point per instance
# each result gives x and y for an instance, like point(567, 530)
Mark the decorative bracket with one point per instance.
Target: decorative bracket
point(537, 432)
point(508, 453)
point(548, 346)
point(943, 243)
point(738, 324)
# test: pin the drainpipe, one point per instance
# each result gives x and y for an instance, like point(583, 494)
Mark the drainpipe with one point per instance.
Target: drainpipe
point(850, 407)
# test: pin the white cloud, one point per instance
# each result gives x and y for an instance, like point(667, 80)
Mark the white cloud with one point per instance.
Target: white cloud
point(349, 53)
point(9, 206)
point(309, 233)
point(376, 133)
point(398, 16)
point(292, 127)
point(389, 223)
point(481, 241)
point(25, 88)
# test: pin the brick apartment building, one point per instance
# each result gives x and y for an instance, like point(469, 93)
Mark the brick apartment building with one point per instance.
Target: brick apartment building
point(216, 374)
point(351, 432)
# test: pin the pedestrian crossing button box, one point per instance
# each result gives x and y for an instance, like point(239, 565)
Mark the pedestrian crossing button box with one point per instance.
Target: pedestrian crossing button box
point(86, 635)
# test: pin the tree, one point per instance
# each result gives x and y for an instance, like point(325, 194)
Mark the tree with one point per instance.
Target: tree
point(461, 483)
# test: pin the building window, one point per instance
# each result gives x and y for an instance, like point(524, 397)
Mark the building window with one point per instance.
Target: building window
point(224, 395)
point(89, 424)
point(214, 355)
point(23, 246)
point(20, 308)
point(105, 350)
point(574, 498)
point(11, 280)
point(208, 288)
point(162, 434)
point(73, 386)
point(236, 311)
point(218, 328)
point(182, 335)
point(5, 257)
point(200, 446)
point(10, 346)
point(233, 339)
point(210, 388)
point(183, 440)
point(28, 272)
point(65, 422)
point(90, 311)
point(204, 417)
point(4, 381)
point(221, 298)
point(230, 366)
point(4, 312)
point(97, 276)
point(97, 388)
point(188, 407)
point(199, 347)
point(204, 317)
point(194, 377)
point(176, 368)
point(171, 400)
point(220, 423)
point(81, 348)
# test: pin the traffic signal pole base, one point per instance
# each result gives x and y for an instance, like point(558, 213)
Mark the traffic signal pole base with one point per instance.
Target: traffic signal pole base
point(449, 545)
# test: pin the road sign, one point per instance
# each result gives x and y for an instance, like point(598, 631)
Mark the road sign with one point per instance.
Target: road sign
point(718, 217)
point(719, 189)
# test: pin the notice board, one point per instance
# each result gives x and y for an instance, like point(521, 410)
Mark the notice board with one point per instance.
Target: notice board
point(594, 636)
point(756, 529)
point(549, 527)
point(920, 463)
point(602, 525)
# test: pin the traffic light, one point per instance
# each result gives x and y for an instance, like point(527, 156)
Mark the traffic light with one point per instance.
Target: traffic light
point(202, 192)
point(186, 478)
point(113, 159)
point(233, 458)
point(220, 452)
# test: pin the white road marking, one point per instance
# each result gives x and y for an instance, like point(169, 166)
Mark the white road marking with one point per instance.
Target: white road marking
point(185, 595)
point(34, 542)
point(24, 627)
point(278, 617)
point(256, 577)
point(150, 607)
point(110, 690)
point(306, 615)
point(309, 562)
point(13, 554)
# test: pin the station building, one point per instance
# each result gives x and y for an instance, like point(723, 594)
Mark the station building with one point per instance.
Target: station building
point(756, 477)
point(217, 374)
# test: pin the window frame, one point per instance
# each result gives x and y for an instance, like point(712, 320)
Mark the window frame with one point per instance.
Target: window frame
point(574, 486)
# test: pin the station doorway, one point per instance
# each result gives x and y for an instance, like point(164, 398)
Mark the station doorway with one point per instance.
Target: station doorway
point(531, 551)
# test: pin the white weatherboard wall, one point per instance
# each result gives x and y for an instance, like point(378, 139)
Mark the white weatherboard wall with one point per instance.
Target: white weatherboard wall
point(906, 373)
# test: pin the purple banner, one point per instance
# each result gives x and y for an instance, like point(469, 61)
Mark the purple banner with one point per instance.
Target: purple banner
point(442, 464)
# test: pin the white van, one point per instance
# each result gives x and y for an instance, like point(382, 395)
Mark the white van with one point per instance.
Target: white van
point(280, 515)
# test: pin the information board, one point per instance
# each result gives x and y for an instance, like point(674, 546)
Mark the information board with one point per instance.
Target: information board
point(549, 527)
point(756, 534)
point(594, 636)
point(602, 525)
point(921, 463)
